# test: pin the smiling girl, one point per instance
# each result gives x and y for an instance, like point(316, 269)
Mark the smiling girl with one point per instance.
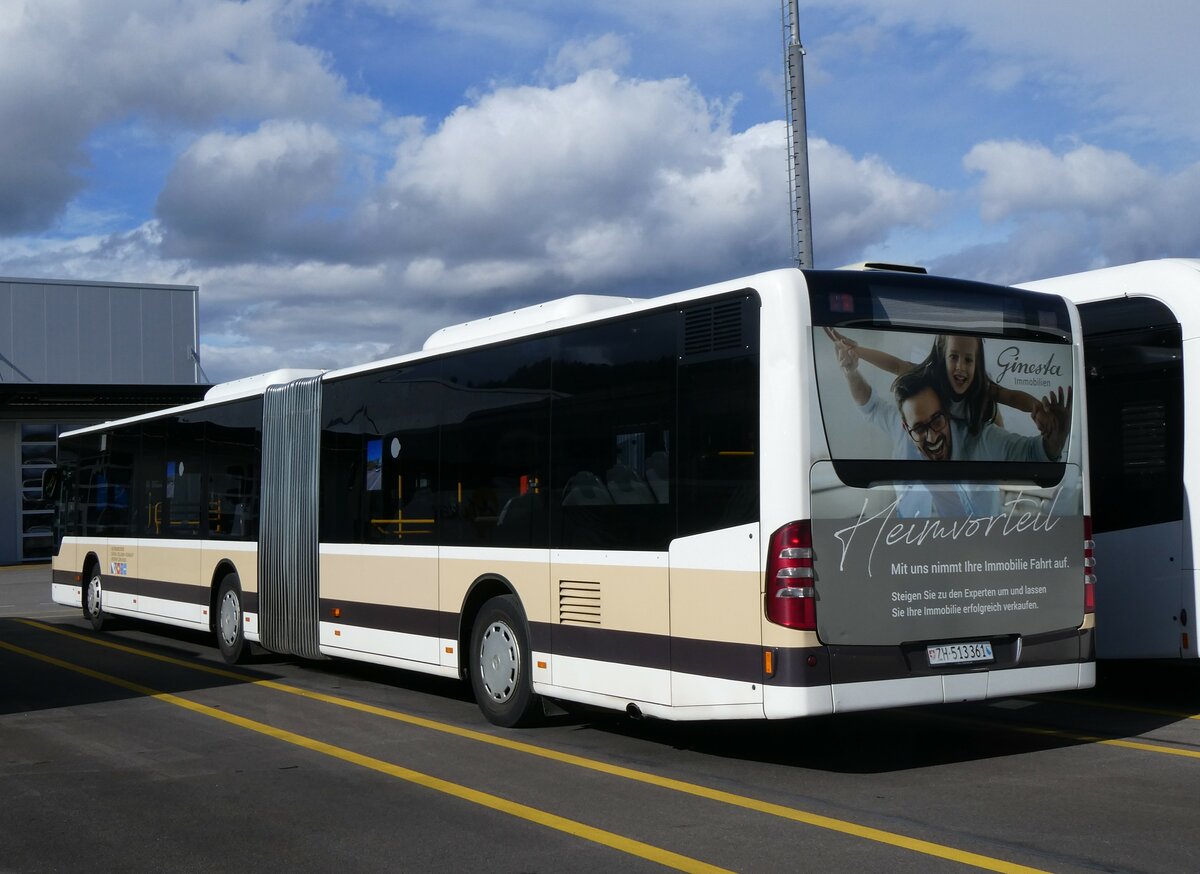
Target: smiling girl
point(957, 365)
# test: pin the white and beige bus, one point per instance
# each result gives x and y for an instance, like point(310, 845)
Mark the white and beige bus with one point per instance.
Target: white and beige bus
point(1141, 324)
point(768, 498)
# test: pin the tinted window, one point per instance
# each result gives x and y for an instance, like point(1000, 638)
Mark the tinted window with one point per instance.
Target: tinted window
point(167, 480)
point(190, 476)
point(939, 381)
point(718, 418)
point(1133, 354)
point(379, 456)
point(613, 420)
point(882, 299)
point(114, 492)
point(80, 462)
point(495, 449)
point(232, 460)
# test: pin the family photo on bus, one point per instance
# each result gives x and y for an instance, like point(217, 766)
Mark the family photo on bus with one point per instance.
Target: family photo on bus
point(943, 407)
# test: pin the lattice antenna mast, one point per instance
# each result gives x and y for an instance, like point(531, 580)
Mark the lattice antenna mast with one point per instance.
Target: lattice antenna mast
point(797, 136)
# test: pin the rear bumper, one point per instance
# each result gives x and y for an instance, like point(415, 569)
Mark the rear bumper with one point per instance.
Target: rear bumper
point(837, 679)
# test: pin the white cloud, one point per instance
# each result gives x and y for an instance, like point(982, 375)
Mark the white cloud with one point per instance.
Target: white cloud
point(1020, 177)
point(1136, 65)
point(606, 177)
point(539, 155)
point(604, 184)
point(1083, 208)
point(70, 67)
point(857, 203)
point(607, 52)
point(244, 196)
point(323, 233)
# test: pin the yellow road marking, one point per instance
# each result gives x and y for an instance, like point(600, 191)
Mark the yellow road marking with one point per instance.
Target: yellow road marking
point(838, 825)
point(1107, 741)
point(1131, 708)
point(1071, 735)
point(485, 799)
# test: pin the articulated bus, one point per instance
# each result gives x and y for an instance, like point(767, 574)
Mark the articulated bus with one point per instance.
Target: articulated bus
point(802, 492)
point(1141, 324)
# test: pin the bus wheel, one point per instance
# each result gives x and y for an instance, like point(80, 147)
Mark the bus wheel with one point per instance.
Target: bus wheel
point(231, 637)
point(500, 664)
point(93, 608)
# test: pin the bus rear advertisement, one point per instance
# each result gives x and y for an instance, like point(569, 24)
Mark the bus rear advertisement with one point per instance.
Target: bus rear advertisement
point(795, 493)
point(942, 557)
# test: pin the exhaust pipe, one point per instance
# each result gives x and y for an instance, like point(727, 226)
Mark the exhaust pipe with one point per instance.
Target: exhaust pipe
point(633, 711)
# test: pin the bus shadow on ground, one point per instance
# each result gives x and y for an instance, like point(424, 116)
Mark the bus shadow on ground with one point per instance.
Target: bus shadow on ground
point(82, 662)
point(1130, 700)
point(29, 684)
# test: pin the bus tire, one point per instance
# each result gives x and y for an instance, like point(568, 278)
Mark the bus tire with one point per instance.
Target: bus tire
point(500, 664)
point(229, 624)
point(93, 604)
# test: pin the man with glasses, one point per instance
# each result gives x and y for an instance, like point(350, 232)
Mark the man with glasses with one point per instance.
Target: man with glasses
point(924, 419)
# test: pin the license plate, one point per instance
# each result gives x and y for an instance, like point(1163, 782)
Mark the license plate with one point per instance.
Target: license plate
point(960, 653)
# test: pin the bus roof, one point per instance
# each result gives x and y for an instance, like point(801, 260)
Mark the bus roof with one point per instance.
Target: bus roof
point(539, 315)
point(1172, 281)
point(550, 315)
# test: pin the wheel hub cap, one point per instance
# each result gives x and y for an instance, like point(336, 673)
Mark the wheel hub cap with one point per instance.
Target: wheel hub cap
point(499, 661)
point(229, 617)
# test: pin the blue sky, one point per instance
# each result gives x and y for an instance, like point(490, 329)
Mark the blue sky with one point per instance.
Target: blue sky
point(343, 178)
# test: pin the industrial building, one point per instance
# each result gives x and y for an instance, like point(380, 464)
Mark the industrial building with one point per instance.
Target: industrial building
point(75, 353)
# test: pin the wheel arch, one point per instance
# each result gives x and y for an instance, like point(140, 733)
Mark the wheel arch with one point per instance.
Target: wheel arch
point(485, 587)
point(89, 561)
point(224, 568)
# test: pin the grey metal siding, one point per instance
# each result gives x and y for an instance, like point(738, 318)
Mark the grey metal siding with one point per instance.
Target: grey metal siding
point(58, 332)
point(28, 345)
point(157, 328)
point(63, 362)
point(127, 335)
point(95, 335)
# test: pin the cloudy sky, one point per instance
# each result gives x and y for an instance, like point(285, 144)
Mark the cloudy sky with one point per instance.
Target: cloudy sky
point(342, 178)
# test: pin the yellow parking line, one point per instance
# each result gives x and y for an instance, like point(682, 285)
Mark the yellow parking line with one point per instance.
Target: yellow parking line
point(1071, 735)
point(1130, 708)
point(842, 826)
point(1107, 741)
point(532, 814)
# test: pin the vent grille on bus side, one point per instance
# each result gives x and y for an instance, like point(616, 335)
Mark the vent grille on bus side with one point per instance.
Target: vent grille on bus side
point(1144, 437)
point(716, 328)
point(578, 602)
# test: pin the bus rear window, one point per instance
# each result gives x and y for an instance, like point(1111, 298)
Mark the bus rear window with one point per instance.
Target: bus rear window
point(964, 400)
point(845, 299)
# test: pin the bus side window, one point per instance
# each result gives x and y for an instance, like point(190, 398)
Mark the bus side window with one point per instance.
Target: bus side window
point(613, 411)
point(495, 450)
point(379, 454)
point(718, 429)
point(1133, 359)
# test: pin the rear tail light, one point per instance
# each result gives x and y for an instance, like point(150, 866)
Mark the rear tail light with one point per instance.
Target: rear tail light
point(1089, 567)
point(791, 599)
